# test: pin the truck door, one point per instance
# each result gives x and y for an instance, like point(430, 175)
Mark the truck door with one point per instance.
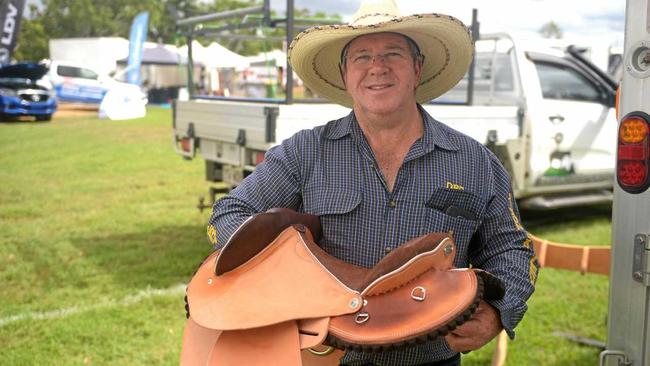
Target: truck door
point(574, 126)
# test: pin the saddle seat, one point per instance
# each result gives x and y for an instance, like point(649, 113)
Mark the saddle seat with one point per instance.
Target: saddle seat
point(271, 280)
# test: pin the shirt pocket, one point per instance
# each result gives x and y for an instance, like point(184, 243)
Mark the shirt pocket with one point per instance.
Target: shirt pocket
point(458, 212)
point(338, 211)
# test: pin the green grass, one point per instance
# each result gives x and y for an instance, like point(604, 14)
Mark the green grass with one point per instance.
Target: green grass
point(94, 213)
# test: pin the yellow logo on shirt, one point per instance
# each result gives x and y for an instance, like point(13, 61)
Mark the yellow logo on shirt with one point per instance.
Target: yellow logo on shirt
point(212, 234)
point(455, 186)
point(512, 213)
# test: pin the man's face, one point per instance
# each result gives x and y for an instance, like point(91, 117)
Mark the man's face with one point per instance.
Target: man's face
point(380, 73)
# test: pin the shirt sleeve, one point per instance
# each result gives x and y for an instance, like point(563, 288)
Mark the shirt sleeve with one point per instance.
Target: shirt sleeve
point(505, 250)
point(273, 183)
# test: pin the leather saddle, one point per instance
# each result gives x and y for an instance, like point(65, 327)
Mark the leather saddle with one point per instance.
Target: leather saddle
point(272, 291)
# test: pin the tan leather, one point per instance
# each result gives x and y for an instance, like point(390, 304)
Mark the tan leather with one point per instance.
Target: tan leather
point(276, 344)
point(440, 258)
point(583, 259)
point(287, 294)
point(312, 331)
point(267, 290)
point(198, 343)
point(396, 316)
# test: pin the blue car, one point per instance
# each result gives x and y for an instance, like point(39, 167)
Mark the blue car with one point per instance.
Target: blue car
point(25, 90)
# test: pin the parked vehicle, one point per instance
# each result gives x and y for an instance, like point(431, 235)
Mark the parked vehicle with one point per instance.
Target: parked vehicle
point(25, 90)
point(78, 84)
point(628, 323)
point(547, 114)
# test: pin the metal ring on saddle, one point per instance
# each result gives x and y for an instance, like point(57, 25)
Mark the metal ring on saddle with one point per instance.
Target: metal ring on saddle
point(361, 318)
point(326, 352)
point(419, 293)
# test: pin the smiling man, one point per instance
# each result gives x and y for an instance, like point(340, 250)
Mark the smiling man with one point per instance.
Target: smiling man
point(389, 172)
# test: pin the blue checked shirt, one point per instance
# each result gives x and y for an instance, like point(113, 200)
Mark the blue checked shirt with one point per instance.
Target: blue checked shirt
point(331, 172)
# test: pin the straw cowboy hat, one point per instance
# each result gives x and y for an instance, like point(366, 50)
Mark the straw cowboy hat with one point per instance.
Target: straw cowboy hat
point(444, 41)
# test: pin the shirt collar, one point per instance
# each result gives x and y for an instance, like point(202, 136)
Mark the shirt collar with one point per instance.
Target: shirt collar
point(434, 133)
point(341, 128)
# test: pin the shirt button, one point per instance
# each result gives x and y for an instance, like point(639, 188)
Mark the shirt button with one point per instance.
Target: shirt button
point(388, 249)
point(392, 204)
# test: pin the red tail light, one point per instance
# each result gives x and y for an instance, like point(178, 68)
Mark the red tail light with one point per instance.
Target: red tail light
point(186, 144)
point(633, 160)
point(258, 157)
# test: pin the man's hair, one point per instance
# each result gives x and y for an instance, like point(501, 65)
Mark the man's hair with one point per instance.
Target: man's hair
point(413, 47)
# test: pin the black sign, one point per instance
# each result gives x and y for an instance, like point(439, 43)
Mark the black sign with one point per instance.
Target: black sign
point(11, 12)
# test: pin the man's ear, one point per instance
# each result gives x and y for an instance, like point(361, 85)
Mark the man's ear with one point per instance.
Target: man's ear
point(418, 70)
point(342, 72)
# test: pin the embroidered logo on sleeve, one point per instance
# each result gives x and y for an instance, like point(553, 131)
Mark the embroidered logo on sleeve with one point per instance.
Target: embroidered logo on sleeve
point(455, 186)
point(533, 267)
point(212, 234)
point(515, 219)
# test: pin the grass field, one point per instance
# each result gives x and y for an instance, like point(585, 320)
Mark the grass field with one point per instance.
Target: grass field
point(99, 233)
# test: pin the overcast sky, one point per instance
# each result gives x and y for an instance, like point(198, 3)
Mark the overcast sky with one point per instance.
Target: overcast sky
point(579, 19)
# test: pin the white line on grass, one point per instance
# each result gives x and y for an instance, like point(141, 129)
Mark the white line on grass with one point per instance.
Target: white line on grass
point(129, 300)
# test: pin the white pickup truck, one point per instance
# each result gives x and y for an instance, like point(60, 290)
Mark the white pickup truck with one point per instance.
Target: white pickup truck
point(548, 114)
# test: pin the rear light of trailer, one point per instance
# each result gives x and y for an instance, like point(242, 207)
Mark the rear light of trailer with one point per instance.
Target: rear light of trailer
point(259, 157)
point(256, 157)
point(633, 158)
point(186, 144)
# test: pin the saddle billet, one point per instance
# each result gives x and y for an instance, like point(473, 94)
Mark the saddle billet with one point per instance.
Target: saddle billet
point(271, 278)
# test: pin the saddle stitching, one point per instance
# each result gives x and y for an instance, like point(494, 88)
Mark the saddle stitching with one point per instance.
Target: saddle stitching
point(405, 265)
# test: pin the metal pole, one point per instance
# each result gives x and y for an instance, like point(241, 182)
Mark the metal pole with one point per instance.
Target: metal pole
point(219, 16)
point(470, 76)
point(289, 70)
point(190, 65)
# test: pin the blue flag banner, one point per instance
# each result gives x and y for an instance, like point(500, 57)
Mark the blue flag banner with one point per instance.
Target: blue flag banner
point(11, 12)
point(136, 47)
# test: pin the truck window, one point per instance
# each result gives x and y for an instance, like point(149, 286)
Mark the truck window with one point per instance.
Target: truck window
point(494, 81)
point(76, 72)
point(564, 83)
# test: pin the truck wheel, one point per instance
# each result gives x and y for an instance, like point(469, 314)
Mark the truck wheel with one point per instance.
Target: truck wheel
point(44, 117)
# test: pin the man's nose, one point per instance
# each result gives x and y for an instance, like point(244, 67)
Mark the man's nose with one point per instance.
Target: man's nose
point(378, 65)
point(378, 59)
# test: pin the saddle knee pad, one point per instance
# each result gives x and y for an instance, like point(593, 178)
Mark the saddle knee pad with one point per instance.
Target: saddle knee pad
point(424, 309)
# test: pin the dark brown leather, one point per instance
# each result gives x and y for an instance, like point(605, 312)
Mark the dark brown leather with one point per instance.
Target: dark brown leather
point(258, 232)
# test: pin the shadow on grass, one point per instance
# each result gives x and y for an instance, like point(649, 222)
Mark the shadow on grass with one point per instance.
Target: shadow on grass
point(535, 219)
point(22, 121)
point(159, 258)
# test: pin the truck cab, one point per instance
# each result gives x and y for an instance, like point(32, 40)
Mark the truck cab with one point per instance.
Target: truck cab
point(547, 113)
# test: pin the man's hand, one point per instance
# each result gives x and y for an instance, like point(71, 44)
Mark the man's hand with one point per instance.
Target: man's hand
point(477, 331)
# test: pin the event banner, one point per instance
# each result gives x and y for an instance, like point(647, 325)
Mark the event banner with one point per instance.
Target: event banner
point(136, 47)
point(11, 12)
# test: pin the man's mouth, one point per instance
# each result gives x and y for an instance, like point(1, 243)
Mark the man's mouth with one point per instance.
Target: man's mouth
point(379, 86)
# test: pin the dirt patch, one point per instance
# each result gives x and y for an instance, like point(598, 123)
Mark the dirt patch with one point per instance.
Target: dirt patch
point(76, 109)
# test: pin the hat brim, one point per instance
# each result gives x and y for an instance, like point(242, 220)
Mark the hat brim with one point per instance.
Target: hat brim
point(445, 42)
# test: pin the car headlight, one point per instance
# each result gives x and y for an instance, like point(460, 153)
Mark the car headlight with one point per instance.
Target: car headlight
point(7, 92)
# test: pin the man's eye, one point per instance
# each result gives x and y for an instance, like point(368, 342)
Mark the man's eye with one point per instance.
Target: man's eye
point(362, 58)
point(394, 55)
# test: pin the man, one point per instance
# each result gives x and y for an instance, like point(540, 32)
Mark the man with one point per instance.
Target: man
point(389, 172)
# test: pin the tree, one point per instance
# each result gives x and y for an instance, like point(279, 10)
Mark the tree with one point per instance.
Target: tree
point(551, 30)
point(96, 18)
point(112, 18)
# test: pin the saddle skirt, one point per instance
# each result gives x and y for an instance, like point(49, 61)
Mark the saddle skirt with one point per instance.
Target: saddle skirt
point(272, 291)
